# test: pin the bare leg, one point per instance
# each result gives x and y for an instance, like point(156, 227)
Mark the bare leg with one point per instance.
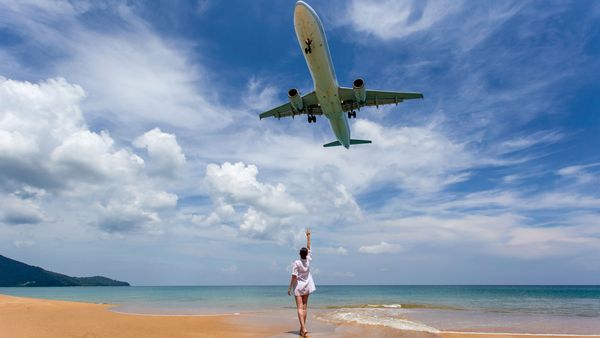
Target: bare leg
point(301, 313)
point(305, 305)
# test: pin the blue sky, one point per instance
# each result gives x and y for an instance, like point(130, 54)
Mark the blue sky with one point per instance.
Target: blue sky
point(130, 144)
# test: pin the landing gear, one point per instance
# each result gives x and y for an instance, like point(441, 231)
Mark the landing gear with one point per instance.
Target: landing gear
point(307, 50)
point(312, 119)
point(352, 114)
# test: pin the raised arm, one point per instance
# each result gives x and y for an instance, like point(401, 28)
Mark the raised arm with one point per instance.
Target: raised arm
point(308, 238)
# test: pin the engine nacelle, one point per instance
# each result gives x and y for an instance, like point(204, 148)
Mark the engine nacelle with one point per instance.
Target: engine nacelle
point(360, 93)
point(295, 99)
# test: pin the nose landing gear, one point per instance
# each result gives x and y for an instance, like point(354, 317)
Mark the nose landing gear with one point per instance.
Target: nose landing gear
point(308, 42)
point(312, 119)
point(352, 114)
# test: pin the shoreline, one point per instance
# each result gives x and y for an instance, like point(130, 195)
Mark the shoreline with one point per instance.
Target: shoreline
point(34, 317)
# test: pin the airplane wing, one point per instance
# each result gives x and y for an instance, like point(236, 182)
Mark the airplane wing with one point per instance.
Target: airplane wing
point(311, 106)
point(374, 98)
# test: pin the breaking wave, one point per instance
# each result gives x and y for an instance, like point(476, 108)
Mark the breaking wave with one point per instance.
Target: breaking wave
point(395, 306)
point(384, 315)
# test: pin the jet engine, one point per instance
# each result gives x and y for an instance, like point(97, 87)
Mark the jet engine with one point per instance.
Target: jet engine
point(360, 93)
point(295, 99)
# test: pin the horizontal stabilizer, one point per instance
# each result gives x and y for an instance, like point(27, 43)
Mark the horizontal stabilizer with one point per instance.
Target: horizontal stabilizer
point(333, 144)
point(359, 141)
point(353, 141)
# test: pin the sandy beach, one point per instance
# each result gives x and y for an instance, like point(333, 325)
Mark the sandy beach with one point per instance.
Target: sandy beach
point(28, 317)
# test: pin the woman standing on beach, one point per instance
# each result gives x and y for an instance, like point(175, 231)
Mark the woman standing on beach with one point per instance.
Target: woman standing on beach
point(302, 283)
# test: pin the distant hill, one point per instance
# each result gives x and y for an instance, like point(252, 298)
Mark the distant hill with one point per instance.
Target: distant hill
point(15, 273)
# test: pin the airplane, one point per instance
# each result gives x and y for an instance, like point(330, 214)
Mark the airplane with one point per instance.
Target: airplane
point(337, 103)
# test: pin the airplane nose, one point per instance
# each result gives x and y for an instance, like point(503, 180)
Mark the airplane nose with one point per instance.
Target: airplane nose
point(301, 5)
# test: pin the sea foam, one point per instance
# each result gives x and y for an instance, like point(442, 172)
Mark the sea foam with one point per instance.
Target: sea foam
point(385, 316)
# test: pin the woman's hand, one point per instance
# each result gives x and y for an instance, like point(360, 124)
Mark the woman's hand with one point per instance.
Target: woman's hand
point(307, 232)
point(289, 291)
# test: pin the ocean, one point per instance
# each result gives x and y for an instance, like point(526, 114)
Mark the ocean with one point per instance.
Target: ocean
point(523, 309)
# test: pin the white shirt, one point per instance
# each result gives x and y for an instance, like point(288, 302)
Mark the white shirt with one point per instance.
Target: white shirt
point(301, 269)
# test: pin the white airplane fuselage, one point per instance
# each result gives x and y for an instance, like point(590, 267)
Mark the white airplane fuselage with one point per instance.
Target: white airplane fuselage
point(308, 26)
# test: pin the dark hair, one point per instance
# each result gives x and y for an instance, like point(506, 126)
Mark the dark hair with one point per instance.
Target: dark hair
point(303, 253)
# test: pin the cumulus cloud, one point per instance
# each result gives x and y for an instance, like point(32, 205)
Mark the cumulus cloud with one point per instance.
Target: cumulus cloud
point(116, 217)
point(85, 155)
point(34, 120)
point(382, 247)
point(17, 211)
point(165, 154)
point(46, 146)
point(237, 183)
point(46, 142)
point(268, 207)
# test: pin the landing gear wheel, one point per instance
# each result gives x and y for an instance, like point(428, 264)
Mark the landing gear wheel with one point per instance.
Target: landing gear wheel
point(354, 113)
point(349, 114)
point(312, 119)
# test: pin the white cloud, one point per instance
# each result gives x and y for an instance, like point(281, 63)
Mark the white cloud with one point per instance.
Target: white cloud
point(23, 243)
point(237, 183)
point(340, 250)
point(46, 146)
point(420, 159)
point(17, 211)
point(470, 24)
point(500, 234)
point(260, 96)
point(524, 142)
point(579, 172)
point(120, 218)
point(255, 223)
point(395, 19)
point(132, 75)
point(146, 80)
point(90, 156)
point(268, 207)
point(60, 171)
point(35, 119)
point(165, 154)
point(382, 247)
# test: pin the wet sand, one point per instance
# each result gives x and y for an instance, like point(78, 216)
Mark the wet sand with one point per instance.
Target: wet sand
point(27, 317)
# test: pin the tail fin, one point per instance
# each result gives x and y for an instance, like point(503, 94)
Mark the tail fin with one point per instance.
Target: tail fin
point(353, 141)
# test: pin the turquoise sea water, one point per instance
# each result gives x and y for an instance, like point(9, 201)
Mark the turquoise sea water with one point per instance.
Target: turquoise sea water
point(561, 309)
